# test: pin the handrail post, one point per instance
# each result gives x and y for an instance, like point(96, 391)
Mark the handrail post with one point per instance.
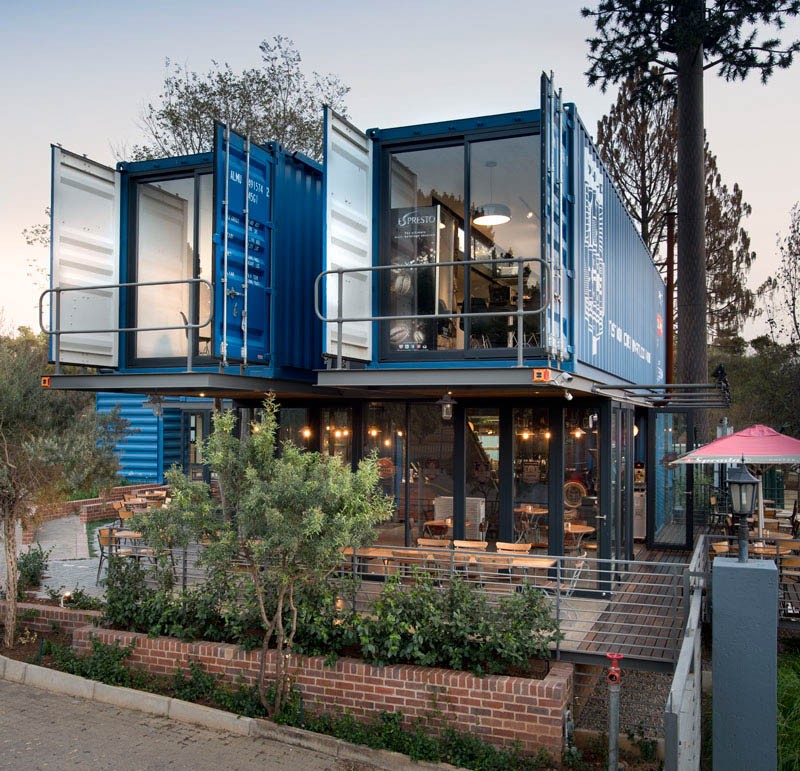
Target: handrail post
point(339, 322)
point(57, 333)
point(520, 319)
point(192, 336)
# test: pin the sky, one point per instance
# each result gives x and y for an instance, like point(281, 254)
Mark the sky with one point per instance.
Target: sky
point(79, 74)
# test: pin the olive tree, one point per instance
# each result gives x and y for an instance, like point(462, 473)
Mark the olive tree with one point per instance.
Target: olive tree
point(288, 516)
point(51, 443)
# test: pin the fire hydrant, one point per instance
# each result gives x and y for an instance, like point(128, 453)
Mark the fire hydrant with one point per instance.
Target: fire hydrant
point(614, 678)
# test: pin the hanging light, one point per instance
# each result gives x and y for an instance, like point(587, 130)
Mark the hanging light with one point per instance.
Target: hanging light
point(446, 403)
point(491, 213)
point(156, 403)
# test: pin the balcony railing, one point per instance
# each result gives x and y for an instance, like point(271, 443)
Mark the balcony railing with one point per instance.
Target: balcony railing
point(56, 305)
point(517, 310)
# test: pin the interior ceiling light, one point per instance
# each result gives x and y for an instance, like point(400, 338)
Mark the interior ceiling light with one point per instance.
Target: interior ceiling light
point(491, 213)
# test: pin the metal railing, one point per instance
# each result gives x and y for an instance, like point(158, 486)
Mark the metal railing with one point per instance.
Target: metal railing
point(189, 327)
point(636, 608)
point(682, 712)
point(519, 313)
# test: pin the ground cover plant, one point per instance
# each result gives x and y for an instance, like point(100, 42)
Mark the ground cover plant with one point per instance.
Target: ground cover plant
point(789, 709)
point(390, 731)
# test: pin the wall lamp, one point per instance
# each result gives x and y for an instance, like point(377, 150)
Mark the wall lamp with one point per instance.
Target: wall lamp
point(446, 403)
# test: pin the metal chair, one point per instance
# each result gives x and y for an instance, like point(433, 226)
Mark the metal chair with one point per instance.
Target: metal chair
point(108, 543)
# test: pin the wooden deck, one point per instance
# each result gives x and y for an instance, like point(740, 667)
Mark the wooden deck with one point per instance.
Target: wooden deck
point(644, 617)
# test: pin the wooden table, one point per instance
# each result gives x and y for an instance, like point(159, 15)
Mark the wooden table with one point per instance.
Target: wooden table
point(434, 527)
point(579, 531)
point(529, 520)
point(769, 550)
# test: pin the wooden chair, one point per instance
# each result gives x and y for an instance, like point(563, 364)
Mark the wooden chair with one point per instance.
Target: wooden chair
point(108, 543)
point(433, 543)
point(470, 545)
point(506, 547)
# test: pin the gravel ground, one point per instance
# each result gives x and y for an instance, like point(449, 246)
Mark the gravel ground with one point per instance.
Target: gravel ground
point(642, 701)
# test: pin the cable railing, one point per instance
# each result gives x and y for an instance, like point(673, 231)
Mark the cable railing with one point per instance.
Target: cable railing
point(634, 608)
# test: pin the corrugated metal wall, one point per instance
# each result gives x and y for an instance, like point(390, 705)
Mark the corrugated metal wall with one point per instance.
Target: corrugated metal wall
point(620, 297)
point(298, 213)
point(138, 452)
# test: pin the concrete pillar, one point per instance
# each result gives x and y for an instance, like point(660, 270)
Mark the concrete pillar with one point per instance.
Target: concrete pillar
point(745, 664)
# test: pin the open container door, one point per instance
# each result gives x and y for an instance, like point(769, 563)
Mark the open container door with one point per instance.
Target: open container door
point(348, 237)
point(84, 252)
point(243, 174)
point(554, 247)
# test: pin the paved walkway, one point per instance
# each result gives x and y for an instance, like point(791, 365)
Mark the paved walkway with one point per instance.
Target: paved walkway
point(70, 564)
point(42, 730)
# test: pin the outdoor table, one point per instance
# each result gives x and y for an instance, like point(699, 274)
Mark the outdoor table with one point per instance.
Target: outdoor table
point(529, 520)
point(769, 550)
point(438, 527)
point(579, 531)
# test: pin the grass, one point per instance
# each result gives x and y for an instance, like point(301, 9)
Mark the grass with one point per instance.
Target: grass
point(789, 711)
point(91, 536)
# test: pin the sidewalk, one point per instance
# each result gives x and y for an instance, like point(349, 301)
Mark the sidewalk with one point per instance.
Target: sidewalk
point(70, 565)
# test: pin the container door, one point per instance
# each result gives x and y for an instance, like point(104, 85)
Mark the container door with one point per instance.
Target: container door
point(84, 248)
point(554, 246)
point(243, 174)
point(348, 237)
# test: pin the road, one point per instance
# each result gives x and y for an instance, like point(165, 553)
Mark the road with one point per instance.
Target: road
point(42, 730)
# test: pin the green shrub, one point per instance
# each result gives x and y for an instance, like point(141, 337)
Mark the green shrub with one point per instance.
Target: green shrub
point(456, 627)
point(789, 711)
point(32, 566)
point(389, 731)
point(105, 663)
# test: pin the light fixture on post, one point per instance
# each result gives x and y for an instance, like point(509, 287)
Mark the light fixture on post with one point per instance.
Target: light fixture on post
point(446, 403)
point(742, 486)
point(491, 213)
point(156, 403)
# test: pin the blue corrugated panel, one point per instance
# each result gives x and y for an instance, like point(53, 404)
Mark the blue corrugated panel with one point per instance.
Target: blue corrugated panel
point(298, 259)
point(620, 297)
point(171, 442)
point(138, 452)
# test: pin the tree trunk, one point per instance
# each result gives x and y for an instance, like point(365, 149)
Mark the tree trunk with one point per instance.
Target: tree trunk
point(692, 323)
point(10, 545)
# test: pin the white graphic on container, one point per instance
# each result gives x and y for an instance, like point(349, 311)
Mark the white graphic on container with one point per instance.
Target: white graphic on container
point(594, 267)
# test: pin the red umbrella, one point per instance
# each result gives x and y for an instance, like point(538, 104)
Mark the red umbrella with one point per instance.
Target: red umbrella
point(758, 445)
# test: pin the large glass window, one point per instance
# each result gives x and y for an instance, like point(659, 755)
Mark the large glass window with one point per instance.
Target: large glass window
point(385, 436)
point(483, 470)
point(337, 433)
point(173, 242)
point(531, 444)
point(425, 218)
point(581, 477)
point(428, 225)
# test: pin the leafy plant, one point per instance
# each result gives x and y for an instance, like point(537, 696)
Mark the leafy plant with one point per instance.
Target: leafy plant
point(105, 663)
point(456, 627)
point(31, 567)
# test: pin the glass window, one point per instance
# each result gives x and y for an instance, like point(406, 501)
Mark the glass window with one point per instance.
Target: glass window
point(531, 445)
point(337, 433)
point(430, 462)
point(293, 426)
point(504, 205)
point(427, 225)
point(426, 213)
point(581, 477)
point(385, 436)
point(483, 467)
point(167, 250)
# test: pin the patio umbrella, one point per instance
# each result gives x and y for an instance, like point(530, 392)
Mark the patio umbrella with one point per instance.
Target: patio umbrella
point(758, 446)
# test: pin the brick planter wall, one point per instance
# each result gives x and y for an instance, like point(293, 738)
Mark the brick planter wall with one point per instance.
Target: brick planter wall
point(41, 618)
point(90, 509)
point(499, 709)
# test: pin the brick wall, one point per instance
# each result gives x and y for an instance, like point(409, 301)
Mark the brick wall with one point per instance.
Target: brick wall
point(40, 618)
point(90, 509)
point(499, 709)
